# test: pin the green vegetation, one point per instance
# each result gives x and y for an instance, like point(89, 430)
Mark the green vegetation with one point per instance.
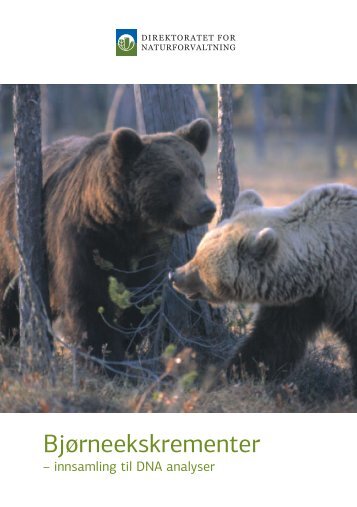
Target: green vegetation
point(119, 294)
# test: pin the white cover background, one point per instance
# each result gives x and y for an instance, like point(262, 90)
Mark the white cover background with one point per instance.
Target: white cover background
point(280, 41)
point(304, 458)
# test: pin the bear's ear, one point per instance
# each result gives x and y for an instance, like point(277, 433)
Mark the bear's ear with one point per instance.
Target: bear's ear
point(260, 245)
point(265, 243)
point(197, 133)
point(247, 199)
point(126, 144)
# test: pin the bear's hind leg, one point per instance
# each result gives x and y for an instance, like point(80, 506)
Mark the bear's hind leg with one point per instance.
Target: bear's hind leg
point(347, 330)
point(278, 339)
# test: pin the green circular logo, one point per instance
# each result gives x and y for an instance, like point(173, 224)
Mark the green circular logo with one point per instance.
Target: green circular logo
point(126, 42)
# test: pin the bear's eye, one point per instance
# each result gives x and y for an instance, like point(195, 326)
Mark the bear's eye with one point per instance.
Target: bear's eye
point(201, 179)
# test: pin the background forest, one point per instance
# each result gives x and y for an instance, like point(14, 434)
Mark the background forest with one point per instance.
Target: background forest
point(303, 134)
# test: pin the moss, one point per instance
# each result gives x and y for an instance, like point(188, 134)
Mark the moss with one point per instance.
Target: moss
point(119, 294)
point(146, 309)
point(188, 379)
point(102, 263)
point(170, 351)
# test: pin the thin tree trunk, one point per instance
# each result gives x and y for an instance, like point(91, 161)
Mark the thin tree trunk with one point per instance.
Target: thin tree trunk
point(122, 112)
point(332, 105)
point(45, 115)
point(200, 104)
point(259, 127)
point(33, 284)
point(118, 95)
point(163, 108)
point(297, 104)
point(1, 122)
point(226, 168)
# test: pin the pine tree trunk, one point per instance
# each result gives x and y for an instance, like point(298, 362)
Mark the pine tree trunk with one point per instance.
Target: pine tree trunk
point(33, 283)
point(332, 105)
point(45, 115)
point(122, 112)
point(112, 113)
point(226, 168)
point(1, 123)
point(163, 108)
point(259, 127)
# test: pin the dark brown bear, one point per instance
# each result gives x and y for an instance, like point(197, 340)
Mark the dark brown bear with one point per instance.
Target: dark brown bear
point(109, 201)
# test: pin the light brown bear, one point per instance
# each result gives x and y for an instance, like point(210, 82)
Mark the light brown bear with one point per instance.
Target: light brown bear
point(299, 262)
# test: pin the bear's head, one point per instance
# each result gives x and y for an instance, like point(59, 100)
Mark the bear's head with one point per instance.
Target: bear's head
point(165, 176)
point(234, 259)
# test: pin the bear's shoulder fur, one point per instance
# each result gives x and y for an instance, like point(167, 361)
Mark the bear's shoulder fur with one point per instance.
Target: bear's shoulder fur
point(318, 203)
point(280, 255)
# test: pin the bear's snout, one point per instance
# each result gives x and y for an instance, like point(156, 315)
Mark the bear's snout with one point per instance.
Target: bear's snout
point(186, 281)
point(177, 277)
point(207, 210)
point(174, 278)
point(171, 276)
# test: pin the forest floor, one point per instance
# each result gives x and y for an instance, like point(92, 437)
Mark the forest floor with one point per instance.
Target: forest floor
point(321, 382)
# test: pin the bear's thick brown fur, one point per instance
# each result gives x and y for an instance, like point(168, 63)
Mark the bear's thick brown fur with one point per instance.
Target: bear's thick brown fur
point(109, 201)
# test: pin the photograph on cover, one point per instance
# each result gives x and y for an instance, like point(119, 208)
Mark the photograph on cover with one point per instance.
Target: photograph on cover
point(178, 248)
